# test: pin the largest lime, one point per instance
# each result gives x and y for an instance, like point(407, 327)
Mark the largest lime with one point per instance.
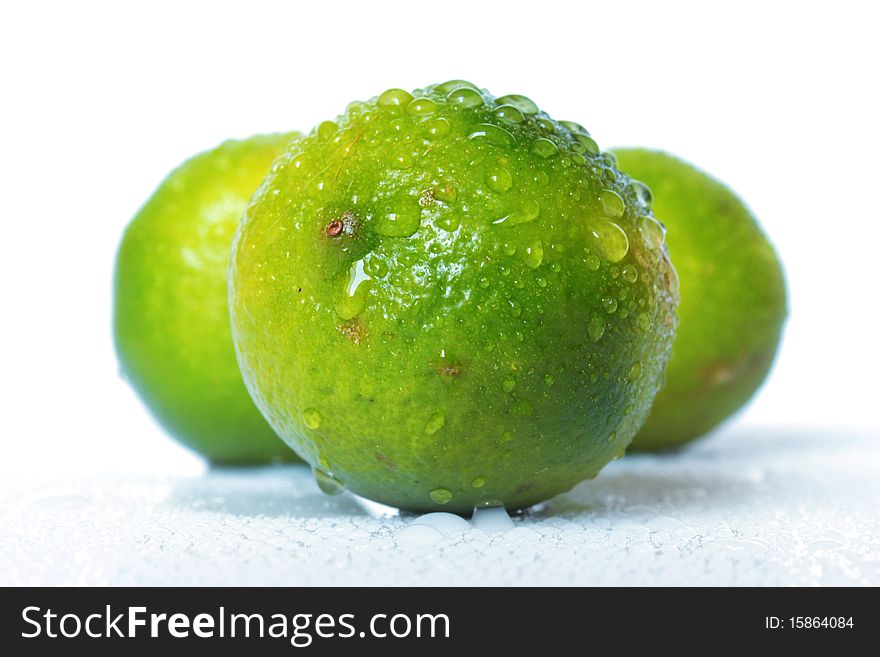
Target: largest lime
point(444, 300)
point(170, 315)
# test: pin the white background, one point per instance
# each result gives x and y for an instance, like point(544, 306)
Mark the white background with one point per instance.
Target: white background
point(101, 100)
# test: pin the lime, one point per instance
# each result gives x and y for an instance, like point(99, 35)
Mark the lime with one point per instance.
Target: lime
point(733, 301)
point(170, 315)
point(445, 300)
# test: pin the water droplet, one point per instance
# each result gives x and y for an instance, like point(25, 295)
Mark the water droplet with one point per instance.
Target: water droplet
point(533, 256)
point(515, 308)
point(418, 535)
point(401, 222)
point(312, 417)
point(465, 97)
point(354, 296)
point(544, 148)
point(435, 422)
point(612, 436)
point(441, 495)
point(438, 127)
point(541, 281)
point(492, 134)
point(610, 240)
point(522, 103)
point(628, 409)
point(421, 107)
point(610, 159)
point(548, 379)
point(596, 327)
point(446, 193)
point(528, 211)
point(327, 483)
point(609, 304)
point(630, 275)
point(327, 129)
point(643, 194)
point(509, 114)
point(652, 232)
point(542, 178)
point(509, 383)
point(504, 269)
point(492, 518)
point(518, 283)
point(402, 161)
point(478, 482)
point(506, 437)
point(509, 248)
point(635, 372)
point(499, 180)
point(592, 262)
point(394, 98)
point(585, 144)
point(448, 221)
point(644, 320)
point(546, 125)
point(574, 128)
point(449, 85)
point(612, 203)
point(376, 267)
point(484, 282)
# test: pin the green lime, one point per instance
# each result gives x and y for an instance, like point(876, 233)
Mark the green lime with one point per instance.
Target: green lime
point(171, 317)
point(733, 300)
point(444, 300)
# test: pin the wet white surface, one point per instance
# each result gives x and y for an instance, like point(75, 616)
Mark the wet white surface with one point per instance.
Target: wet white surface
point(745, 507)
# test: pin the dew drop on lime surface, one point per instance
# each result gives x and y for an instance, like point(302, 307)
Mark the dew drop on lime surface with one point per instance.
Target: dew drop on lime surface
point(421, 107)
point(596, 327)
point(652, 232)
point(435, 422)
point(635, 372)
point(354, 296)
point(499, 180)
point(492, 134)
point(441, 495)
point(465, 97)
point(312, 418)
point(611, 203)
point(394, 98)
point(609, 240)
point(643, 194)
point(327, 483)
point(522, 103)
point(533, 255)
point(399, 222)
point(545, 148)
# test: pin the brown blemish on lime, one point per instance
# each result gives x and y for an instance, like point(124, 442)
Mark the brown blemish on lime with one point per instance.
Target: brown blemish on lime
point(353, 330)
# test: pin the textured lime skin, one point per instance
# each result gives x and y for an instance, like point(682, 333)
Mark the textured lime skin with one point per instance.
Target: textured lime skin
point(170, 316)
point(421, 308)
point(733, 299)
